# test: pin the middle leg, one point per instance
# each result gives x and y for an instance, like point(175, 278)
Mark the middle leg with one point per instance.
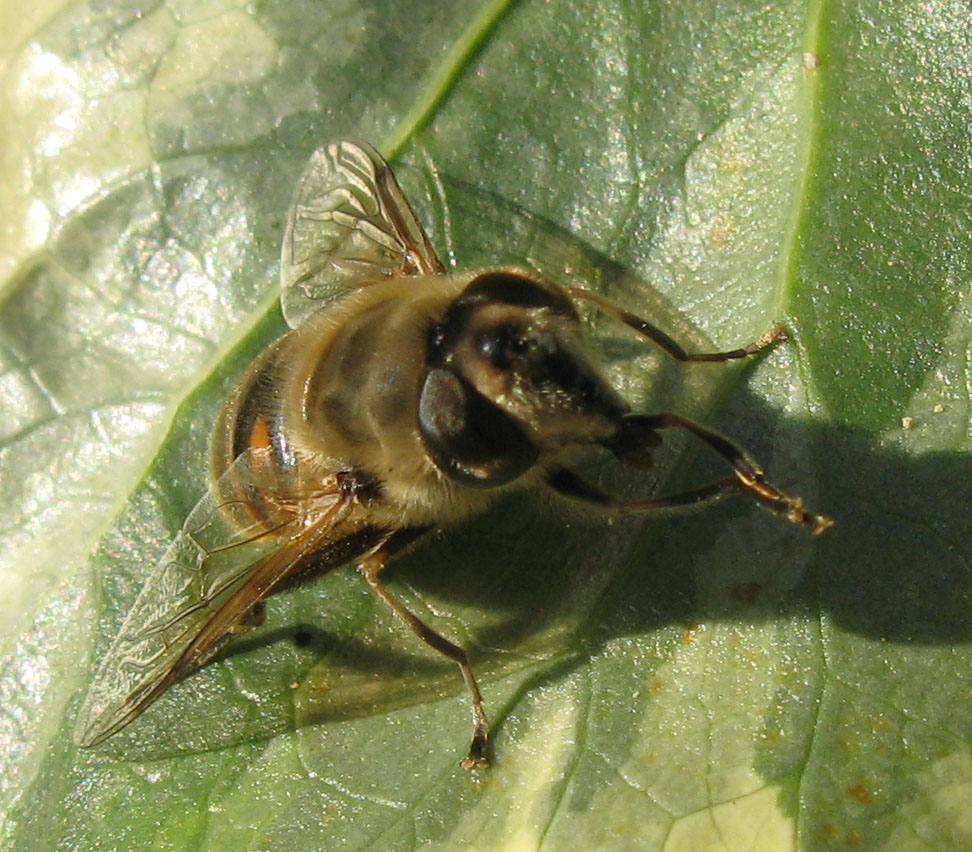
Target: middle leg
point(370, 568)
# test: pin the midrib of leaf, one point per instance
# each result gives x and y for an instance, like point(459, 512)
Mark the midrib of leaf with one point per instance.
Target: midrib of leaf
point(809, 99)
point(561, 787)
point(443, 78)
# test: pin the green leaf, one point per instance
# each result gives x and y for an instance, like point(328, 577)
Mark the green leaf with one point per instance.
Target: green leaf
point(713, 680)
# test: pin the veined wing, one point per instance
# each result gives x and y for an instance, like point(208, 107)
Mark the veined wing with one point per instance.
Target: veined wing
point(223, 561)
point(348, 223)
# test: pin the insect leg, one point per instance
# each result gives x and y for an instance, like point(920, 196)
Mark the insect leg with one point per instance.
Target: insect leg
point(569, 484)
point(370, 568)
point(657, 336)
point(748, 477)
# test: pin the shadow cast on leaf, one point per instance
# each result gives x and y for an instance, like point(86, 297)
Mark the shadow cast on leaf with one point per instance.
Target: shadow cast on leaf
point(532, 595)
point(536, 593)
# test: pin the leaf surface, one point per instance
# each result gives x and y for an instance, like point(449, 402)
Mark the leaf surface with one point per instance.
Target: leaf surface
point(708, 680)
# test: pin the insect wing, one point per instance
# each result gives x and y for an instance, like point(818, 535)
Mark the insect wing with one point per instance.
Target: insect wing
point(224, 560)
point(348, 223)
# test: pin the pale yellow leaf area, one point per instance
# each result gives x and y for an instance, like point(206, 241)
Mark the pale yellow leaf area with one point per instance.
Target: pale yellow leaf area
point(71, 125)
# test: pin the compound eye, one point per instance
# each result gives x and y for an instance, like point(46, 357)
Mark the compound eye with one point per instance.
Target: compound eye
point(499, 345)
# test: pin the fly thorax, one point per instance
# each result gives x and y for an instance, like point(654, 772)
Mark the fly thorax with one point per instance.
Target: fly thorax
point(360, 395)
point(509, 381)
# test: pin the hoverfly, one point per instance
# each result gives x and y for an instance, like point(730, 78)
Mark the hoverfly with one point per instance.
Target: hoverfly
point(404, 398)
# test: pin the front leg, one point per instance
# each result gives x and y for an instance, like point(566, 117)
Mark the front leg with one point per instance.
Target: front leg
point(668, 344)
point(568, 484)
point(633, 444)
